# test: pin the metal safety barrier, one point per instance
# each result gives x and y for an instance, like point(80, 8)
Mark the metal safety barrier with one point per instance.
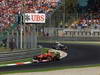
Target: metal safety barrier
point(16, 55)
point(69, 34)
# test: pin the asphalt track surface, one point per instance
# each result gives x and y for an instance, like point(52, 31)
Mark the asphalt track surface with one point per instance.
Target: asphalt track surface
point(78, 55)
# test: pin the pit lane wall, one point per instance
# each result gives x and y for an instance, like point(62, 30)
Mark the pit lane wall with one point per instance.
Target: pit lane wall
point(16, 55)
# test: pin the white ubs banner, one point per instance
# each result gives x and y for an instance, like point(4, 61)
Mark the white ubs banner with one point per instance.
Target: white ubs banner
point(34, 18)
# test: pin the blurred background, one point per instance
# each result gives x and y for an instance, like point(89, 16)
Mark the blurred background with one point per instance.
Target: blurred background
point(66, 20)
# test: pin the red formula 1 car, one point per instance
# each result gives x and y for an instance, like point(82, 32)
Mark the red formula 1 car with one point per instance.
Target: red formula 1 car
point(47, 57)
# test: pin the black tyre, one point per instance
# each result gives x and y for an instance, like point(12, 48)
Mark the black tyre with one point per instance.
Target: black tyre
point(49, 58)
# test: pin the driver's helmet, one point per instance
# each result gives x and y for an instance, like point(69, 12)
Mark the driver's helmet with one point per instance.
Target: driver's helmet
point(59, 44)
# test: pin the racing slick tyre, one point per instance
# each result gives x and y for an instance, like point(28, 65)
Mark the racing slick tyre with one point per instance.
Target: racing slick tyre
point(49, 58)
point(56, 57)
point(65, 49)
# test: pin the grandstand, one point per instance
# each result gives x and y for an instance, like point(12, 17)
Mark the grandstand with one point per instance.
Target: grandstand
point(9, 8)
point(90, 19)
point(82, 22)
point(12, 10)
point(61, 15)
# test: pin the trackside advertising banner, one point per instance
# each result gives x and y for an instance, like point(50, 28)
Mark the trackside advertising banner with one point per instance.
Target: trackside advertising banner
point(34, 18)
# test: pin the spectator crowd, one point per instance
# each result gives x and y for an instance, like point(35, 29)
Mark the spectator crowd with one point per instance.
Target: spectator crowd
point(87, 21)
point(9, 8)
point(90, 19)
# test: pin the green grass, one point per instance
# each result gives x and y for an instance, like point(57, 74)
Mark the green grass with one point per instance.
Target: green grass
point(44, 50)
point(2, 49)
point(56, 68)
point(50, 69)
point(75, 42)
point(14, 61)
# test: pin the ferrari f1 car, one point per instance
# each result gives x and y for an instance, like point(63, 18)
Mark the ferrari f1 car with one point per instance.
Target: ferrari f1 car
point(47, 57)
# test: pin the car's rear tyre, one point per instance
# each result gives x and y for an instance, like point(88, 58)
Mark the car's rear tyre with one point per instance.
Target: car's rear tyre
point(49, 58)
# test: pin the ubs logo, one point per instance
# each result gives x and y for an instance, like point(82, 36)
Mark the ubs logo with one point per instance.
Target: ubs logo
point(34, 18)
point(38, 17)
